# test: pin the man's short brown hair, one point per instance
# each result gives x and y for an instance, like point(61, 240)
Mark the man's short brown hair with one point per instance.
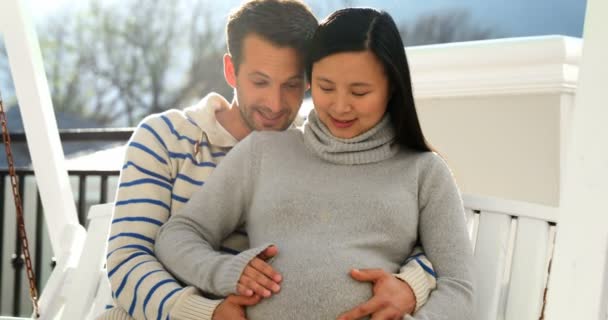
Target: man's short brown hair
point(284, 23)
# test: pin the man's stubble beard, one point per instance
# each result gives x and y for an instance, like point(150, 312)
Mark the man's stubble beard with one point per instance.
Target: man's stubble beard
point(247, 115)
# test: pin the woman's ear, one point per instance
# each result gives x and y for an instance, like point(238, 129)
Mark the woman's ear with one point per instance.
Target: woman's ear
point(229, 71)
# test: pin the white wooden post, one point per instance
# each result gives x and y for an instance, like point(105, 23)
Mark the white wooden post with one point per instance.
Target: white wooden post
point(38, 120)
point(45, 148)
point(578, 277)
point(86, 278)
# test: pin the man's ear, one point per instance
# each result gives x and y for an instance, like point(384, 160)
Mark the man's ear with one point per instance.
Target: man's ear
point(229, 71)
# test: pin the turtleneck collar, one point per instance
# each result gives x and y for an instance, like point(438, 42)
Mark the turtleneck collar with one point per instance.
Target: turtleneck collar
point(374, 145)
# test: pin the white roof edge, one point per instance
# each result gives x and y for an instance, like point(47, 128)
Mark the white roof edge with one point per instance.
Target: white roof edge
point(543, 64)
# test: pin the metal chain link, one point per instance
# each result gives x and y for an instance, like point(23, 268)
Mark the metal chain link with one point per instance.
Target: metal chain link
point(20, 220)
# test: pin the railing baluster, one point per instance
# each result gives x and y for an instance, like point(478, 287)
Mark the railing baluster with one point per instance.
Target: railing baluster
point(103, 197)
point(39, 240)
point(18, 262)
point(82, 196)
point(3, 214)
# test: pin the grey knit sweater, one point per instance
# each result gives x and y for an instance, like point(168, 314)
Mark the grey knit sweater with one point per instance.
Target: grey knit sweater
point(329, 205)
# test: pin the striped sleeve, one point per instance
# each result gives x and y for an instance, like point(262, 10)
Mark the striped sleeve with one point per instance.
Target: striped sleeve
point(140, 284)
point(418, 273)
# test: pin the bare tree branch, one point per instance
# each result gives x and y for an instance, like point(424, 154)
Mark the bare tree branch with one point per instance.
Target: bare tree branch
point(117, 62)
point(444, 26)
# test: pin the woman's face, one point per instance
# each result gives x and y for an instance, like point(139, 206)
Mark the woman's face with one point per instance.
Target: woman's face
point(350, 91)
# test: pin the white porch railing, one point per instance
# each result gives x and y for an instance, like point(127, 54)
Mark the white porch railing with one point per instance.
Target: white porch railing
point(513, 247)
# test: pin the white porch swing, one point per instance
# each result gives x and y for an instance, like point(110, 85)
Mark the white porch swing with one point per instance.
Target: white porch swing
point(514, 285)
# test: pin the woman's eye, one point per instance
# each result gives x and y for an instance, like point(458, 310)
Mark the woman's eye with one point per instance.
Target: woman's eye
point(359, 94)
point(326, 89)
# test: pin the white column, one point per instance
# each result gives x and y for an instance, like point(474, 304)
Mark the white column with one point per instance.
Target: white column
point(578, 277)
point(40, 125)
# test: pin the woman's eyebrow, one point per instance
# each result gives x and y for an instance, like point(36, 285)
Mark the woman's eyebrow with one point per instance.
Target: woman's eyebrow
point(360, 84)
point(323, 79)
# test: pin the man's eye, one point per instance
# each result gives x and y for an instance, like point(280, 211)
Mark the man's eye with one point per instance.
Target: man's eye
point(259, 83)
point(294, 85)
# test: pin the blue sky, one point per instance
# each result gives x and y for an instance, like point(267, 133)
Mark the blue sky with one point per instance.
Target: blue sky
point(512, 18)
point(515, 17)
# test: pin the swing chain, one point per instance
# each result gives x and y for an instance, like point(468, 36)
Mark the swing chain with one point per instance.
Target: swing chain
point(18, 207)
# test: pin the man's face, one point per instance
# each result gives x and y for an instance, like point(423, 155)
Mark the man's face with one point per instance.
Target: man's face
point(270, 84)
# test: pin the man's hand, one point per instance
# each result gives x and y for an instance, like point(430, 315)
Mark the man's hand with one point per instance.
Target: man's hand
point(392, 298)
point(259, 278)
point(233, 307)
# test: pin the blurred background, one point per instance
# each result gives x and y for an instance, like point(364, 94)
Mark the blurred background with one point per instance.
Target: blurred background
point(110, 63)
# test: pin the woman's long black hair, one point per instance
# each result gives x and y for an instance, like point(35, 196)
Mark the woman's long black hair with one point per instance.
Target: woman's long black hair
point(360, 29)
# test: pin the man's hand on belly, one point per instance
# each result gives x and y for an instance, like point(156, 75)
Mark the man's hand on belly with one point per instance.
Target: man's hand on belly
point(392, 297)
point(233, 307)
point(259, 277)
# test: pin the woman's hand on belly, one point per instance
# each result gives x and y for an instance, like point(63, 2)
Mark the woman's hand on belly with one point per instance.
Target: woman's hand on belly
point(392, 298)
point(259, 277)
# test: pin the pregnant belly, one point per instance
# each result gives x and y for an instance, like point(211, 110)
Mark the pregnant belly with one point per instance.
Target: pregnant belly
point(318, 288)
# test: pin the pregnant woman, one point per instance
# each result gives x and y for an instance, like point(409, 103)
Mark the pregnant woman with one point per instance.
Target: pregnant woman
point(367, 189)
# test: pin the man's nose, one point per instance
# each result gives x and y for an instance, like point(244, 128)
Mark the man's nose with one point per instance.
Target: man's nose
point(273, 100)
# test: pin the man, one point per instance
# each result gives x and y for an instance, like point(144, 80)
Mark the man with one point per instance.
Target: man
point(171, 154)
